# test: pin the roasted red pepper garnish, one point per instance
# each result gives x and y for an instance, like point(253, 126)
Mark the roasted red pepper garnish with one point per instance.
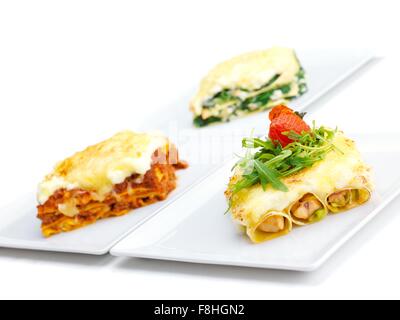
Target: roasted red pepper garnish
point(284, 120)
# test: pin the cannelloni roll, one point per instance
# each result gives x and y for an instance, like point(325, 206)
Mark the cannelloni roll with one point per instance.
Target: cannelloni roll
point(309, 208)
point(296, 176)
point(348, 198)
point(270, 226)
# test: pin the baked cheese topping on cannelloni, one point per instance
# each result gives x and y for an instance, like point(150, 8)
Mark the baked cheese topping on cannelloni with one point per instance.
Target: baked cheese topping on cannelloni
point(251, 82)
point(338, 170)
point(101, 166)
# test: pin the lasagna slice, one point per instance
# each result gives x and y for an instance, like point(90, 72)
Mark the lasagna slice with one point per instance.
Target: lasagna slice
point(128, 171)
point(248, 83)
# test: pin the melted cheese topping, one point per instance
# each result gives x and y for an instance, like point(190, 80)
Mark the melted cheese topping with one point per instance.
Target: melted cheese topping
point(249, 71)
point(100, 167)
point(336, 171)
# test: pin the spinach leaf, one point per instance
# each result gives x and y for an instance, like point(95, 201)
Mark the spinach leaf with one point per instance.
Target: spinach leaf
point(220, 98)
point(200, 122)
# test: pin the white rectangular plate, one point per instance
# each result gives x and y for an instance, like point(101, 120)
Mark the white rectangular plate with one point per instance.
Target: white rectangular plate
point(195, 229)
point(324, 68)
point(19, 227)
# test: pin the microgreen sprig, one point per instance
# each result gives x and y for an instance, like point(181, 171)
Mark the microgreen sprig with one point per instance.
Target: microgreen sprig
point(266, 162)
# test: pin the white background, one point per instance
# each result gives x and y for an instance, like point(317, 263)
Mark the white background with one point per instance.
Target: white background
point(115, 63)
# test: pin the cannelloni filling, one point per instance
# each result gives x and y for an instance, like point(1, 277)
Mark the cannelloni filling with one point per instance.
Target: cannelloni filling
point(273, 225)
point(308, 209)
point(346, 199)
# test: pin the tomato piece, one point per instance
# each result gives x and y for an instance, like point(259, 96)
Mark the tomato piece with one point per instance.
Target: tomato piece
point(279, 110)
point(284, 121)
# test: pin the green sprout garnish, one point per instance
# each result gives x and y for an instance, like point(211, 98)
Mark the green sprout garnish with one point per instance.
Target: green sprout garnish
point(267, 162)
